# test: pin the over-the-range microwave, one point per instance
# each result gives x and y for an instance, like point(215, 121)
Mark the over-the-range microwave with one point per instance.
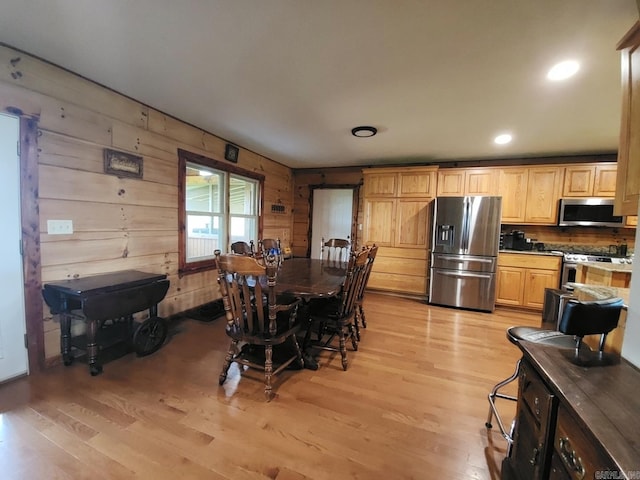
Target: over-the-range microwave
point(588, 212)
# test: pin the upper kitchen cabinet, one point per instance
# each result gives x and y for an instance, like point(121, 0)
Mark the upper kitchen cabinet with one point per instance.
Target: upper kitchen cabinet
point(530, 194)
point(513, 188)
point(456, 182)
point(590, 180)
point(543, 192)
point(628, 178)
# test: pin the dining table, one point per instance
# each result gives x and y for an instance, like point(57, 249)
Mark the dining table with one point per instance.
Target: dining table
point(309, 279)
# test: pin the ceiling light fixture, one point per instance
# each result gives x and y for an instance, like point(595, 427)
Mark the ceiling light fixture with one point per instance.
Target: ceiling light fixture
point(563, 70)
point(364, 131)
point(503, 139)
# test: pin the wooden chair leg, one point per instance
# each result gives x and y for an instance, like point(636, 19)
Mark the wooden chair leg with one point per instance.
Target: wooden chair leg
point(298, 351)
point(268, 371)
point(353, 335)
point(227, 361)
point(343, 350)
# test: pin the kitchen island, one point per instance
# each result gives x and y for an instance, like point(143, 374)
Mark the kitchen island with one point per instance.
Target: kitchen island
point(607, 274)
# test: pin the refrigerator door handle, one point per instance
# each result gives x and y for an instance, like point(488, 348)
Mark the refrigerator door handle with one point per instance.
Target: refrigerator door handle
point(463, 259)
point(464, 274)
point(464, 240)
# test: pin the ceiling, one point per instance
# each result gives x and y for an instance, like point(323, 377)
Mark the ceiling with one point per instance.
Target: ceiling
point(289, 79)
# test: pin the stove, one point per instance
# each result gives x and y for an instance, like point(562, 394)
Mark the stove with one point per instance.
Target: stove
point(595, 257)
point(570, 262)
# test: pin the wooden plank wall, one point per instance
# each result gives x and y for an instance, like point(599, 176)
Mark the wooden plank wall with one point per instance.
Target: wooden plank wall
point(303, 180)
point(118, 223)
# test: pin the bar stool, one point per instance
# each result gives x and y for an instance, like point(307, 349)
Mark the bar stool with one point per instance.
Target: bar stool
point(514, 335)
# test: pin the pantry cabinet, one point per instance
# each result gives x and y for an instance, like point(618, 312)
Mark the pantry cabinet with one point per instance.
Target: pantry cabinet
point(522, 279)
point(628, 177)
point(397, 219)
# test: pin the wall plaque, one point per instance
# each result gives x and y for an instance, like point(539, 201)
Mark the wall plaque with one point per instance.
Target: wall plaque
point(122, 164)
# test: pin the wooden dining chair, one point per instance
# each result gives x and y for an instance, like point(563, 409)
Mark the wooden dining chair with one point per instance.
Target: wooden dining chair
point(334, 318)
point(243, 248)
point(335, 250)
point(268, 244)
point(359, 314)
point(256, 316)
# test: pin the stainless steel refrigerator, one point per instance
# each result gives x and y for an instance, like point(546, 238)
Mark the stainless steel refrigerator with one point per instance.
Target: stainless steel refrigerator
point(464, 251)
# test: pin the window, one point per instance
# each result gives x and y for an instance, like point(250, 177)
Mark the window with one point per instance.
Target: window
point(219, 204)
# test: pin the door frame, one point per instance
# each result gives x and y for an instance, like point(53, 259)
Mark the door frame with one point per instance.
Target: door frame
point(31, 258)
point(354, 211)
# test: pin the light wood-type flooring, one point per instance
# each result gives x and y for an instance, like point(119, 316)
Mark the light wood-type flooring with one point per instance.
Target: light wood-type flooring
point(412, 405)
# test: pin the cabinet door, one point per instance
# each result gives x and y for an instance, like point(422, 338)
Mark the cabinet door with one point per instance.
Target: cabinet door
point(412, 223)
point(379, 217)
point(481, 181)
point(604, 184)
point(451, 183)
point(417, 184)
point(381, 184)
point(631, 221)
point(534, 284)
point(578, 181)
point(628, 177)
point(509, 286)
point(543, 192)
point(513, 187)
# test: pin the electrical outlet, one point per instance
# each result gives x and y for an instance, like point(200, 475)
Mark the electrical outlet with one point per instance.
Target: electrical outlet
point(59, 227)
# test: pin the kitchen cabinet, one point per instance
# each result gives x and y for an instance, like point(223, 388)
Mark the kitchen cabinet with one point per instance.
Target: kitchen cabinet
point(457, 182)
point(631, 221)
point(628, 177)
point(530, 194)
point(522, 279)
point(590, 180)
point(543, 192)
point(397, 219)
point(513, 188)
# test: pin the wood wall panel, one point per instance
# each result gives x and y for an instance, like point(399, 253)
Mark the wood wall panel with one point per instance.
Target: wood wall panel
point(38, 76)
point(119, 223)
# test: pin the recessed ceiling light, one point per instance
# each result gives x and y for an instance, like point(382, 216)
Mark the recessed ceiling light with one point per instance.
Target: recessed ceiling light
point(364, 131)
point(563, 70)
point(503, 139)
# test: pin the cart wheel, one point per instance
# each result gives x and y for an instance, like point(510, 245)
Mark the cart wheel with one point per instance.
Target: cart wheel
point(67, 359)
point(95, 369)
point(149, 336)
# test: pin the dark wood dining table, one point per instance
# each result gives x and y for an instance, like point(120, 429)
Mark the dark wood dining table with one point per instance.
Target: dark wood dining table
point(309, 279)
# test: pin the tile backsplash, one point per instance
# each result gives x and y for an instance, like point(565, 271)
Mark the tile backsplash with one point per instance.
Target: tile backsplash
point(598, 240)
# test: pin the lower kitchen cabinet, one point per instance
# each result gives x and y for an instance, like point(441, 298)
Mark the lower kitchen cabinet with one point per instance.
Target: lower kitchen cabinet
point(573, 422)
point(522, 279)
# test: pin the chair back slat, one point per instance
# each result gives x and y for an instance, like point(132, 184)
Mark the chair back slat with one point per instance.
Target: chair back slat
point(335, 250)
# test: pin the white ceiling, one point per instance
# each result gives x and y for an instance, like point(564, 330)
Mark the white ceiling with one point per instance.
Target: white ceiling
point(288, 79)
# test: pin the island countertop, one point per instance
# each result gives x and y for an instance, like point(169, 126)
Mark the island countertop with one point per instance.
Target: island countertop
point(587, 292)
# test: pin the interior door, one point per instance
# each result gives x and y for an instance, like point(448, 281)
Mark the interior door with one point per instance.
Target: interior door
point(331, 216)
point(13, 353)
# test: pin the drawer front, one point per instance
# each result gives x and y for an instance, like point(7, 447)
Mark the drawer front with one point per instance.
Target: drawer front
point(535, 395)
point(579, 453)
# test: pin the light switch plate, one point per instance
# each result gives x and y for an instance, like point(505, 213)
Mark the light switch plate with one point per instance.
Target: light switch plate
point(59, 227)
